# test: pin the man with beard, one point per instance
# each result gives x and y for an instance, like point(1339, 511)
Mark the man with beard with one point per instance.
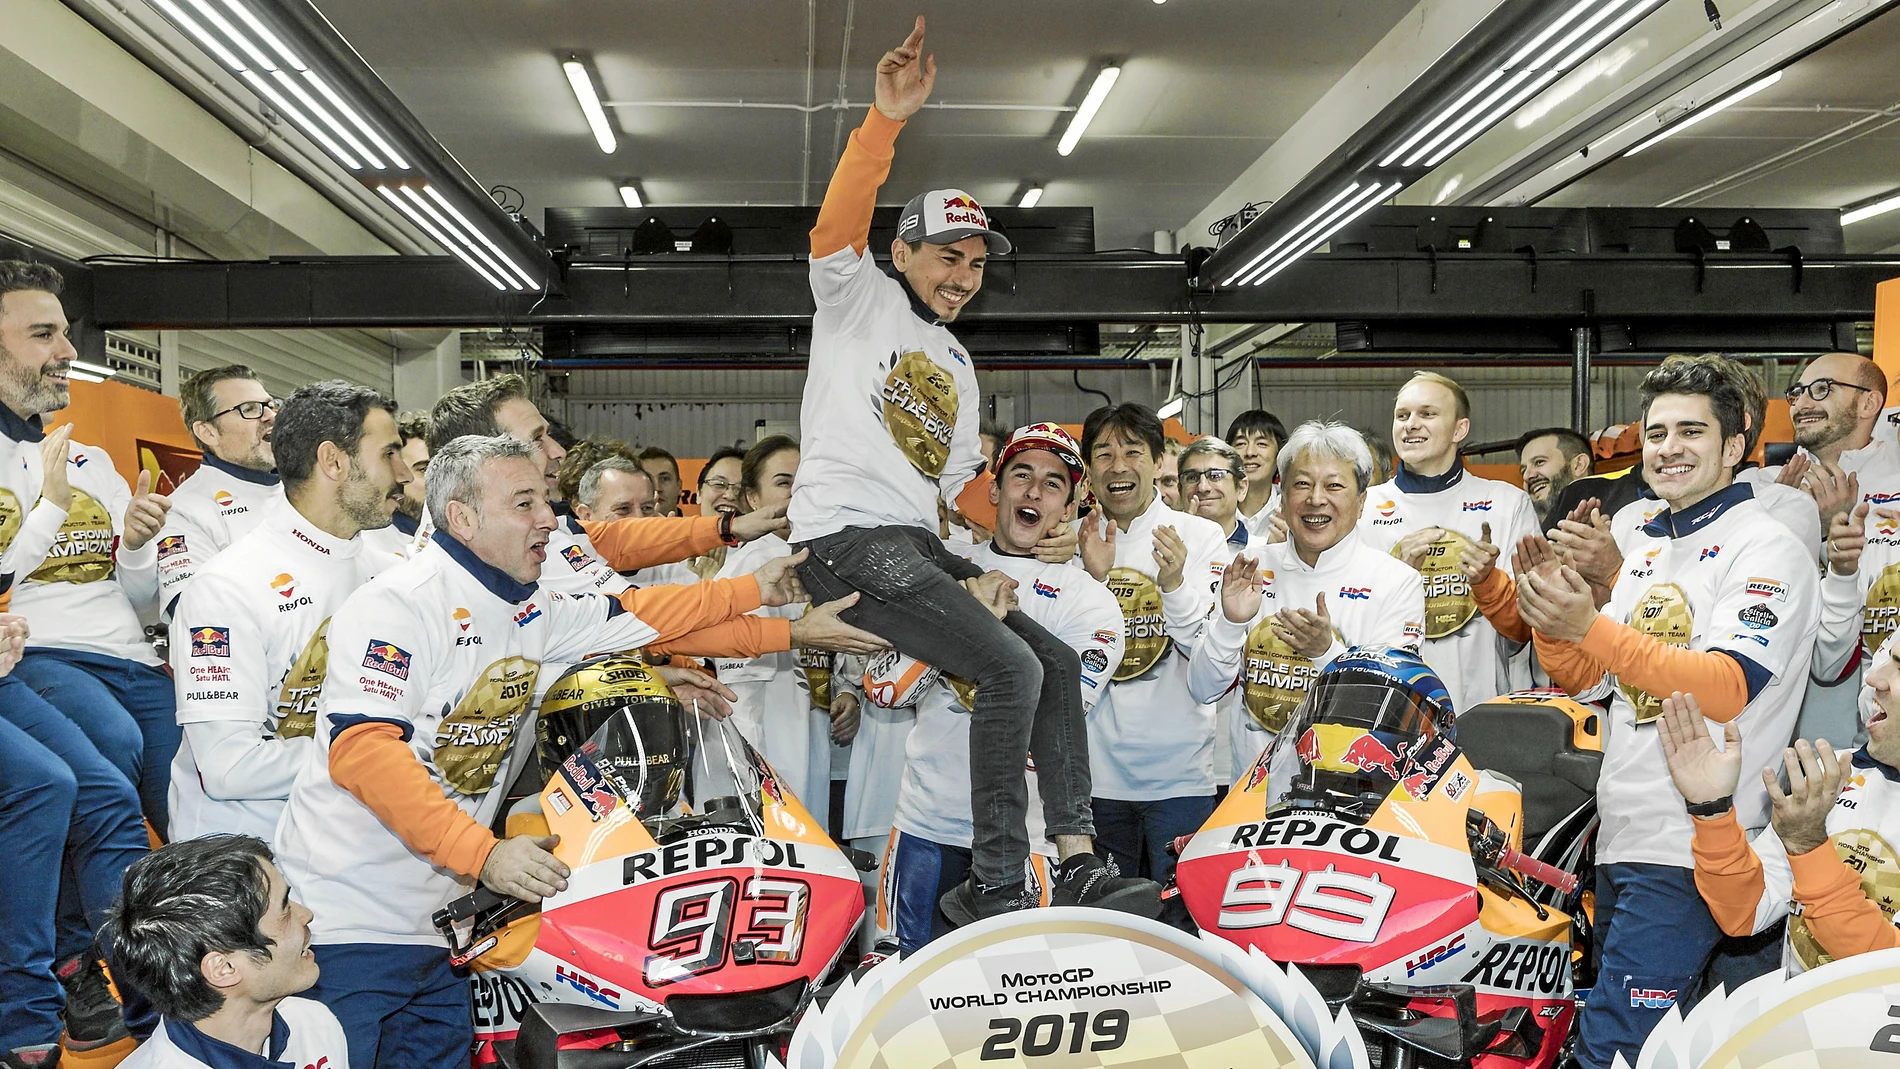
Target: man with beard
point(404, 533)
point(230, 415)
point(252, 629)
point(1549, 460)
point(1287, 609)
point(1835, 406)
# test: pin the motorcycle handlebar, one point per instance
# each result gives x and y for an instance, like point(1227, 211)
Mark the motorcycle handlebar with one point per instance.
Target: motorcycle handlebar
point(1537, 870)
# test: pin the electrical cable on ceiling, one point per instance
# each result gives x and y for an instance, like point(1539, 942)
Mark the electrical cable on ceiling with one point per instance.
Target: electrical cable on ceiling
point(507, 198)
point(1714, 13)
point(1106, 399)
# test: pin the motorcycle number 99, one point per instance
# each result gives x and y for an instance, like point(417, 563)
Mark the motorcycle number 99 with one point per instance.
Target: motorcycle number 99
point(1330, 903)
point(1043, 1036)
point(692, 925)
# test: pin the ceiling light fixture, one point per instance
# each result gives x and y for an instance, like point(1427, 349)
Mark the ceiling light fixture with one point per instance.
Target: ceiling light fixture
point(630, 195)
point(1868, 211)
point(1174, 405)
point(1700, 114)
point(77, 375)
point(1091, 103)
point(582, 81)
point(1032, 196)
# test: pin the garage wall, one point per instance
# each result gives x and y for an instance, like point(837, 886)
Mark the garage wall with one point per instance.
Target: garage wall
point(287, 359)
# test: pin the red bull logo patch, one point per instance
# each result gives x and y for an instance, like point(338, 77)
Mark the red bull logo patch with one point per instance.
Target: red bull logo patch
point(770, 791)
point(1425, 769)
point(387, 658)
point(171, 546)
point(1369, 753)
point(576, 557)
point(596, 795)
point(1308, 749)
point(211, 642)
point(1257, 772)
point(961, 202)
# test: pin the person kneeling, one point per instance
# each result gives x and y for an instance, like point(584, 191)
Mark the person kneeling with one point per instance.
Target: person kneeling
point(208, 930)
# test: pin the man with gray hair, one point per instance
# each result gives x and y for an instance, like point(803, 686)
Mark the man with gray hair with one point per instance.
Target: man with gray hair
point(428, 687)
point(615, 488)
point(1286, 612)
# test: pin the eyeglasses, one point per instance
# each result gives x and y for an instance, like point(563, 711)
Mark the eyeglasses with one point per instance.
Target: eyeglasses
point(1819, 389)
point(252, 409)
point(1216, 476)
point(723, 486)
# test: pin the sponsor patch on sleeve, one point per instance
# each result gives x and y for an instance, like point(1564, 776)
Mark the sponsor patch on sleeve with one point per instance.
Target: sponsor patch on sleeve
point(1767, 588)
point(1094, 660)
point(211, 642)
point(1758, 617)
point(1414, 630)
point(387, 658)
point(576, 557)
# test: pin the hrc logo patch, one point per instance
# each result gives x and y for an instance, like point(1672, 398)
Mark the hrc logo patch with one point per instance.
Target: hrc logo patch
point(527, 615)
point(211, 642)
point(387, 658)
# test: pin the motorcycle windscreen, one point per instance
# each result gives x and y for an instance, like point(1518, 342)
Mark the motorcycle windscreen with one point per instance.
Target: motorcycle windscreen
point(1343, 749)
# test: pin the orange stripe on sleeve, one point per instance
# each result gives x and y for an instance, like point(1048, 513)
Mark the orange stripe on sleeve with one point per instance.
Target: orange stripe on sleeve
point(1845, 921)
point(1656, 667)
point(674, 611)
point(373, 763)
point(1566, 663)
point(1497, 600)
point(643, 541)
point(1728, 873)
point(741, 636)
point(845, 218)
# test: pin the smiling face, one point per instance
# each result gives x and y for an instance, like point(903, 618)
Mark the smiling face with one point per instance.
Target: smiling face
point(291, 967)
point(719, 487)
point(1122, 473)
point(35, 353)
point(1211, 488)
point(1031, 496)
point(1259, 452)
point(374, 489)
point(519, 419)
point(1883, 730)
point(1321, 499)
point(775, 481)
point(1685, 457)
point(944, 277)
point(1848, 414)
point(509, 526)
point(1426, 427)
point(1544, 469)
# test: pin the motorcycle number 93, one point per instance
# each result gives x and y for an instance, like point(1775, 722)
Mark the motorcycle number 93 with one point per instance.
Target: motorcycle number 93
point(1044, 1035)
point(1330, 903)
point(692, 925)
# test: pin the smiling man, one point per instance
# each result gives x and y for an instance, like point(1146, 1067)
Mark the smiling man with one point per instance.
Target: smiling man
point(231, 416)
point(1550, 460)
point(1258, 435)
point(1715, 598)
point(1289, 608)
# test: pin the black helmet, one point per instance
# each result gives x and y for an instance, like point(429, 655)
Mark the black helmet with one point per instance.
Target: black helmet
point(637, 723)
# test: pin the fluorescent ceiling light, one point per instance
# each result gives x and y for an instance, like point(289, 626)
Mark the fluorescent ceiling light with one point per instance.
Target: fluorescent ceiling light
point(1177, 403)
point(1092, 103)
point(79, 376)
point(630, 195)
point(1316, 235)
point(1033, 195)
point(1868, 211)
point(1733, 98)
point(94, 370)
point(582, 82)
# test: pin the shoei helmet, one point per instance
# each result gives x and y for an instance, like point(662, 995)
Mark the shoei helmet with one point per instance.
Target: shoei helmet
point(638, 725)
point(1347, 744)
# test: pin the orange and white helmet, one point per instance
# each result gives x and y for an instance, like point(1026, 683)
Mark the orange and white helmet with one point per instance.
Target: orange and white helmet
point(893, 680)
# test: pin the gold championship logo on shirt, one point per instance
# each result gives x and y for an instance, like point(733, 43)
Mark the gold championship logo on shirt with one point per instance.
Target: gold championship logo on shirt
point(472, 741)
point(1449, 605)
point(1143, 624)
point(815, 667)
point(1882, 609)
point(82, 552)
point(920, 411)
point(1661, 613)
point(303, 684)
point(1864, 851)
point(11, 516)
point(1275, 677)
point(963, 689)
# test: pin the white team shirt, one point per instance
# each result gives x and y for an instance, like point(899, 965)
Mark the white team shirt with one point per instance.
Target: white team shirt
point(249, 650)
point(1876, 464)
point(1149, 739)
point(71, 575)
point(214, 507)
point(934, 799)
point(1790, 506)
point(890, 409)
point(1472, 659)
point(1746, 586)
point(1259, 524)
point(1372, 597)
point(447, 648)
point(304, 1035)
point(402, 539)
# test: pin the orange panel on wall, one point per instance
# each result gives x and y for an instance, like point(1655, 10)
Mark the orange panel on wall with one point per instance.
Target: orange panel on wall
point(117, 418)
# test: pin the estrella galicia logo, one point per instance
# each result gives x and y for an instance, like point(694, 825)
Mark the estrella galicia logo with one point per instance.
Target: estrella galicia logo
point(1649, 998)
point(527, 615)
point(387, 658)
point(1094, 659)
point(1759, 617)
point(211, 642)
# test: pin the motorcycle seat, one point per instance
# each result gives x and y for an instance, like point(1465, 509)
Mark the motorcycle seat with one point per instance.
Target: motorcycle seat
point(1551, 745)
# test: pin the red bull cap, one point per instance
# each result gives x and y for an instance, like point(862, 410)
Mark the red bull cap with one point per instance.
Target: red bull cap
point(1044, 436)
point(947, 216)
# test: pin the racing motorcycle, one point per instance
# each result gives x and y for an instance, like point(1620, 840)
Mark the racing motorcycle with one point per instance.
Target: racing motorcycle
point(1366, 847)
point(688, 934)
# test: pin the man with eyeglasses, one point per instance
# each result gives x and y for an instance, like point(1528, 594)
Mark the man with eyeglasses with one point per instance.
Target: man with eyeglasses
point(230, 415)
point(1213, 482)
point(1835, 406)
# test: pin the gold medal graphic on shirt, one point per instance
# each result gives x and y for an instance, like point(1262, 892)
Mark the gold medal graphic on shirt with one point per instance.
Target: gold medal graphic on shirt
point(82, 552)
point(920, 411)
point(1864, 851)
point(1143, 625)
point(964, 690)
point(815, 667)
point(1661, 613)
point(1449, 605)
point(472, 741)
point(1275, 677)
point(303, 684)
point(11, 516)
point(1882, 609)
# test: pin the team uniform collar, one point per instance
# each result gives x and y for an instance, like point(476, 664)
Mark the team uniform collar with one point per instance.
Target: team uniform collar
point(1412, 483)
point(496, 581)
point(21, 430)
point(1706, 511)
point(1856, 459)
point(917, 306)
point(403, 522)
point(1864, 759)
point(1238, 539)
point(218, 1054)
point(1328, 558)
point(288, 519)
point(243, 474)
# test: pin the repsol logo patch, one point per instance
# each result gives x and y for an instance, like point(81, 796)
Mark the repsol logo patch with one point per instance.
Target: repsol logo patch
point(1529, 968)
point(709, 853)
point(1303, 832)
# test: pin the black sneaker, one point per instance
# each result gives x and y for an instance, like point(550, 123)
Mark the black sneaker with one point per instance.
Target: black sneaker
point(967, 903)
point(93, 1017)
point(1087, 880)
point(43, 1056)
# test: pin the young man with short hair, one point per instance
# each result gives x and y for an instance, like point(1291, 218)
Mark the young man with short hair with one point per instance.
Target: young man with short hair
point(231, 416)
point(1715, 598)
point(1168, 474)
point(1550, 459)
point(1258, 435)
point(1288, 609)
point(666, 478)
point(208, 928)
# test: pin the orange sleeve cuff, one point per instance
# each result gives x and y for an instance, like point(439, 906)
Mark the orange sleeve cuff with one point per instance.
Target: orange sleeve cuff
point(845, 219)
point(1728, 873)
point(1844, 920)
point(1657, 667)
point(1566, 663)
point(373, 763)
point(741, 636)
point(678, 610)
point(644, 541)
point(1497, 600)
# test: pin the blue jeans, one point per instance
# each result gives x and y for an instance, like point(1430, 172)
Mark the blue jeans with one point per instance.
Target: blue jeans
point(401, 1007)
point(1132, 833)
point(1657, 934)
point(129, 711)
point(63, 808)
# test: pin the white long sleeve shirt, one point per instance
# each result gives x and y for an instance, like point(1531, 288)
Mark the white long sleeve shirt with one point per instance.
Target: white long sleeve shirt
point(214, 507)
point(304, 1035)
point(1372, 598)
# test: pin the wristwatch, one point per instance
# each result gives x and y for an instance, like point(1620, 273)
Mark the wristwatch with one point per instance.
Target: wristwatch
point(1713, 809)
point(725, 529)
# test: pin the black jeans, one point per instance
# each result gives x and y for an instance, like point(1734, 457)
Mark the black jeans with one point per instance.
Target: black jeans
point(1028, 682)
